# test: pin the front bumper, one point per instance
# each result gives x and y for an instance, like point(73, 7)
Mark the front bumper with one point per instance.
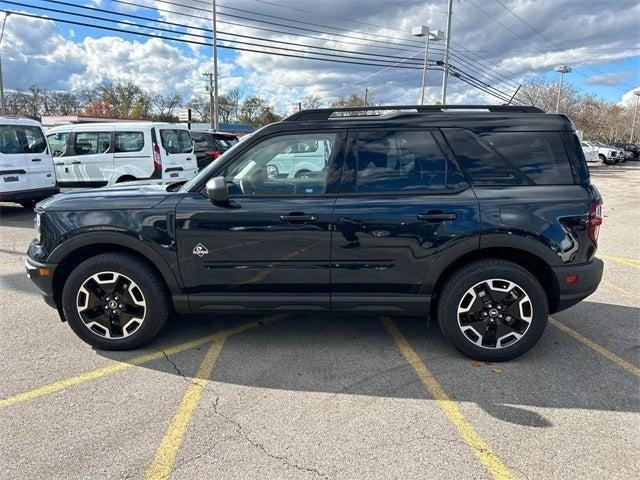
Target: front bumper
point(589, 276)
point(41, 274)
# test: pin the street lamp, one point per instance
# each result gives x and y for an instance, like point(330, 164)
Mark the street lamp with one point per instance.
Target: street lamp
point(635, 114)
point(562, 69)
point(430, 35)
point(3, 107)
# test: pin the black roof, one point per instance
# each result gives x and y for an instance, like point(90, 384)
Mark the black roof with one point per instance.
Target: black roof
point(474, 117)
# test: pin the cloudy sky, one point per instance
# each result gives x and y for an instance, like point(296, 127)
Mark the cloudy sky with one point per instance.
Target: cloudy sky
point(495, 43)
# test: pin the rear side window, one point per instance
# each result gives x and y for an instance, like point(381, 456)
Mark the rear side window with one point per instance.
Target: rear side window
point(35, 141)
point(400, 161)
point(92, 143)
point(129, 141)
point(9, 142)
point(512, 158)
point(176, 141)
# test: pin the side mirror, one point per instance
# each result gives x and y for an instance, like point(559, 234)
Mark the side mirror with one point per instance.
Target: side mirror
point(217, 190)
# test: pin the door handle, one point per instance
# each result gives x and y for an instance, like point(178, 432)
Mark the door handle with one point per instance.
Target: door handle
point(298, 218)
point(36, 159)
point(77, 162)
point(436, 217)
point(59, 163)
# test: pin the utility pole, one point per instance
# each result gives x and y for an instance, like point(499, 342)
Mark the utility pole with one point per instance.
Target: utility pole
point(562, 69)
point(366, 96)
point(635, 114)
point(212, 108)
point(214, 119)
point(4, 21)
point(445, 73)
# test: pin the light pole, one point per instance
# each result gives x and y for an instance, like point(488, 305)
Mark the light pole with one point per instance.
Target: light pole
point(368, 90)
point(635, 114)
point(214, 119)
point(3, 108)
point(423, 31)
point(445, 73)
point(562, 69)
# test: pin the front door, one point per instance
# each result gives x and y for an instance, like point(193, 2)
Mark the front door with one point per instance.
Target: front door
point(90, 160)
point(402, 203)
point(270, 246)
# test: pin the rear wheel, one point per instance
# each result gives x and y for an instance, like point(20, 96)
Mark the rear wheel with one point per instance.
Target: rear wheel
point(604, 160)
point(493, 310)
point(114, 301)
point(126, 178)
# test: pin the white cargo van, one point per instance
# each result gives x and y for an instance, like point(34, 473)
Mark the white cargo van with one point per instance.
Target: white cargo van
point(26, 166)
point(99, 154)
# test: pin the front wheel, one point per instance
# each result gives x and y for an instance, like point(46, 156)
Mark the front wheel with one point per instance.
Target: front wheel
point(493, 310)
point(114, 301)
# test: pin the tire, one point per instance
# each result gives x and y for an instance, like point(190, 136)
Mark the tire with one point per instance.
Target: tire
point(459, 310)
point(129, 286)
point(604, 160)
point(126, 178)
point(302, 173)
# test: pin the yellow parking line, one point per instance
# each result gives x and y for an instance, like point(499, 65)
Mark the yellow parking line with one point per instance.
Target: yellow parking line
point(489, 460)
point(629, 262)
point(619, 361)
point(167, 451)
point(118, 367)
point(626, 293)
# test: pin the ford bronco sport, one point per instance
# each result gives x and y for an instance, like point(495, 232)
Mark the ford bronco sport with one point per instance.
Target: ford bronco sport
point(483, 217)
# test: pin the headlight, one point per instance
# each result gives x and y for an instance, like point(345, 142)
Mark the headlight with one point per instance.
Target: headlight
point(38, 226)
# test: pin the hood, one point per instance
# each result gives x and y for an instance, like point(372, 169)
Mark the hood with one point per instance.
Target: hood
point(131, 195)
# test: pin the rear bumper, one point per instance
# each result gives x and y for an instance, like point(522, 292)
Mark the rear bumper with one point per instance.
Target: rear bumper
point(41, 274)
point(23, 195)
point(589, 276)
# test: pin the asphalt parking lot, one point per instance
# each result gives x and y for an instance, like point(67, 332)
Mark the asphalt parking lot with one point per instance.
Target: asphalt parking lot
point(318, 396)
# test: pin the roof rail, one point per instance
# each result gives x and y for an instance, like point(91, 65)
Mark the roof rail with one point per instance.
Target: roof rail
point(326, 113)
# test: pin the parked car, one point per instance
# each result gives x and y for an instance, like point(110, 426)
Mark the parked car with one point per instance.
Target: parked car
point(26, 166)
point(96, 155)
point(483, 217)
point(210, 145)
point(590, 152)
point(632, 151)
point(608, 155)
point(303, 159)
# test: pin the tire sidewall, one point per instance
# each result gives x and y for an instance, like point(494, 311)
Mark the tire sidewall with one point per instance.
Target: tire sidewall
point(155, 298)
point(448, 308)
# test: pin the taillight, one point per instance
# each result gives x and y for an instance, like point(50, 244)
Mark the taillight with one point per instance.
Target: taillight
point(595, 220)
point(157, 160)
point(215, 154)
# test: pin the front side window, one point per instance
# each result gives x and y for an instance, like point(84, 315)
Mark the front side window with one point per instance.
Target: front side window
point(58, 143)
point(271, 168)
point(176, 141)
point(400, 161)
point(9, 141)
point(129, 141)
point(35, 141)
point(92, 143)
point(512, 158)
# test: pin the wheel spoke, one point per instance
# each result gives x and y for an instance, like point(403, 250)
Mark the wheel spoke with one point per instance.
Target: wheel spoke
point(93, 313)
point(94, 289)
point(133, 310)
point(121, 286)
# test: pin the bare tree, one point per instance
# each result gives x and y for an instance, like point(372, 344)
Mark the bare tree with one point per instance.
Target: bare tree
point(311, 102)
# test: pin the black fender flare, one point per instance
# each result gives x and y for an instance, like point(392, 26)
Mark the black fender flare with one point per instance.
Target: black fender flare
point(69, 246)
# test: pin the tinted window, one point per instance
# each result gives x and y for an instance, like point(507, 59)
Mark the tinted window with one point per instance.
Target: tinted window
point(512, 158)
point(9, 141)
point(271, 168)
point(176, 141)
point(92, 143)
point(401, 161)
point(35, 141)
point(129, 141)
point(58, 143)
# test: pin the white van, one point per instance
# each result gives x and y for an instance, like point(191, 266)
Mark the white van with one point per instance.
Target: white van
point(26, 166)
point(100, 154)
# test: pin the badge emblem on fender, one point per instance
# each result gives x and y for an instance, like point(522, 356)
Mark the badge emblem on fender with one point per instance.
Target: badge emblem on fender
point(200, 250)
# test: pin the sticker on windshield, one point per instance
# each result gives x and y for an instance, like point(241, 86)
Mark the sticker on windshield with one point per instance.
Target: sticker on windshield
point(200, 250)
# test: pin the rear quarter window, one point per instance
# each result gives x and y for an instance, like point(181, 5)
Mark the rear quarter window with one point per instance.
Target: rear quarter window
point(129, 141)
point(512, 158)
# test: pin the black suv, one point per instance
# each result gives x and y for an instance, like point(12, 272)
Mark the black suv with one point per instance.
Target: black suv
point(210, 145)
point(483, 217)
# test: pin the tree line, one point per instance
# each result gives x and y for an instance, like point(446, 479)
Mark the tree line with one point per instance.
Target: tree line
point(596, 118)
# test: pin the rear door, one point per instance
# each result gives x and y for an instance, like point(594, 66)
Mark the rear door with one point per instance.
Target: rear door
point(403, 202)
point(177, 153)
point(38, 158)
point(14, 171)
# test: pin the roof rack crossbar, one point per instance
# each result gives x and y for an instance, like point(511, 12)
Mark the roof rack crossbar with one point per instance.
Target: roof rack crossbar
point(326, 113)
